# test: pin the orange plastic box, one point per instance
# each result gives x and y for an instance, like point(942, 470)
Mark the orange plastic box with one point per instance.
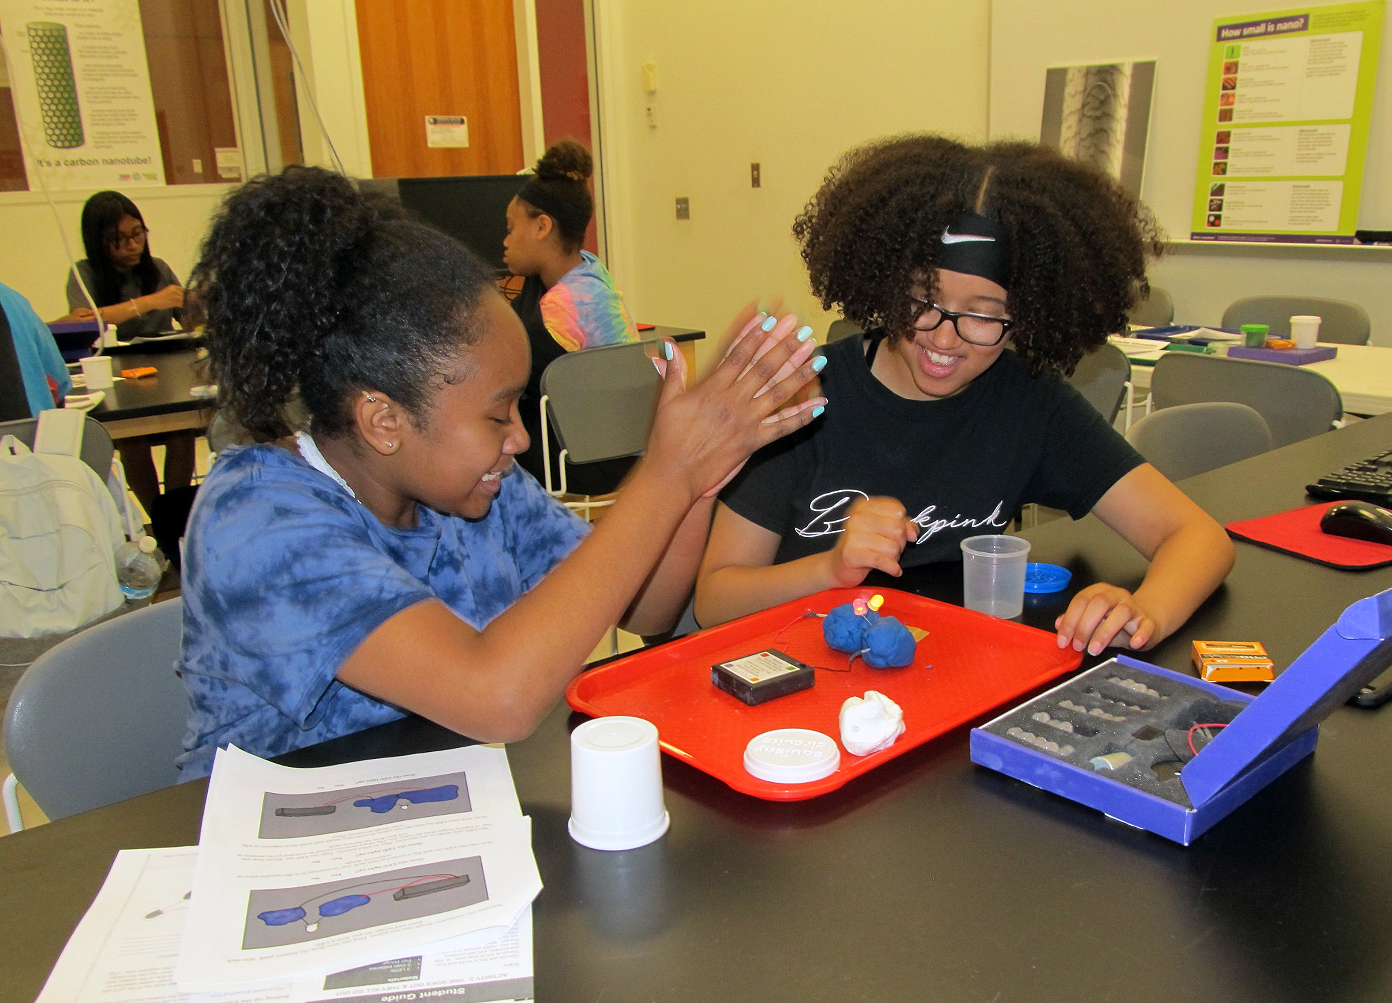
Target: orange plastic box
point(967, 665)
point(1232, 662)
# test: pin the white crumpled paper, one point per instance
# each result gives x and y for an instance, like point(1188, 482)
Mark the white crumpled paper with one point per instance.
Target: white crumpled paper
point(870, 723)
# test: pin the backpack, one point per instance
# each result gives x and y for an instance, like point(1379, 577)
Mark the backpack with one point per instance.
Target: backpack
point(59, 530)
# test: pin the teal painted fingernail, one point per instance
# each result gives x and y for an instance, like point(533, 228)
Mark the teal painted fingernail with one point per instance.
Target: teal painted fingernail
point(667, 350)
point(804, 333)
point(770, 324)
point(817, 411)
point(818, 363)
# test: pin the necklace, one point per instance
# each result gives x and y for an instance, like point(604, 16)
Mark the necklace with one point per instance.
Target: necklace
point(310, 451)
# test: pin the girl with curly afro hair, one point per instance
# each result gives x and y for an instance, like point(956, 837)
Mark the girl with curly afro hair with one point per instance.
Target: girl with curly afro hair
point(981, 274)
point(388, 556)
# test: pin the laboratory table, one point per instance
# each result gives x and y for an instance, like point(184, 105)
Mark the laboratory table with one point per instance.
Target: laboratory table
point(159, 403)
point(928, 878)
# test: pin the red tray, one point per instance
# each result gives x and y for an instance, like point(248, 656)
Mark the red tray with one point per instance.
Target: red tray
point(968, 664)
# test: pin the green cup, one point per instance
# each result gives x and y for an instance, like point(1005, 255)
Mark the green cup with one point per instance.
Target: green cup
point(1254, 335)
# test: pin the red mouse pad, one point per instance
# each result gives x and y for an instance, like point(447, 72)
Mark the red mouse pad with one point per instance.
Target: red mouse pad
point(1298, 532)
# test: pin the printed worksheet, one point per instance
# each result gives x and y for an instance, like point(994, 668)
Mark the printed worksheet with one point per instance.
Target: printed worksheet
point(124, 950)
point(303, 871)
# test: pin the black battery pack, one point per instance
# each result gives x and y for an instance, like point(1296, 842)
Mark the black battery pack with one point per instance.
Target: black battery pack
point(762, 676)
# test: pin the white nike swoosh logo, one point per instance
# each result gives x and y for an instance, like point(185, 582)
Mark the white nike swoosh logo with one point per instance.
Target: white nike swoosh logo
point(962, 238)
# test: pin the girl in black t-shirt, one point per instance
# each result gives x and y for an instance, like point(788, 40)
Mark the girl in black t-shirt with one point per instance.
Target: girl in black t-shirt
point(948, 253)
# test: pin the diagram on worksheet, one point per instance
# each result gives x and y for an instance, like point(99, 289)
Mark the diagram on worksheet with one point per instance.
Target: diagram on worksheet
point(293, 816)
point(171, 907)
point(277, 917)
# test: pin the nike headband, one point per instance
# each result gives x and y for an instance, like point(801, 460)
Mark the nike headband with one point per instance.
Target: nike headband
point(571, 216)
point(977, 245)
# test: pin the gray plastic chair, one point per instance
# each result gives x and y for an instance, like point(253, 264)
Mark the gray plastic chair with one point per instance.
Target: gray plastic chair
point(100, 717)
point(1103, 377)
point(841, 329)
point(1191, 439)
point(1295, 402)
point(599, 403)
point(1156, 310)
point(1342, 322)
point(97, 447)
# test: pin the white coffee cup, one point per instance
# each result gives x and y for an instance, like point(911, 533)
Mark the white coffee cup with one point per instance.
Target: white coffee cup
point(993, 574)
point(616, 784)
point(1304, 330)
point(96, 370)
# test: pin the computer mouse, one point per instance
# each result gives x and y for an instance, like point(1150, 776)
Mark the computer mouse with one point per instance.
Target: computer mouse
point(1360, 520)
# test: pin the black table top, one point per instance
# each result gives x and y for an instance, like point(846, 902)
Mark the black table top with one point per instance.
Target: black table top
point(928, 878)
point(167, 392)
point(678, 334)
point(180, 368)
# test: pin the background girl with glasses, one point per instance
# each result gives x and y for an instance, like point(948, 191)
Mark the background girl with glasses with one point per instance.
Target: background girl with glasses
point(137, 292)
point(982, 274)
point(140, 295)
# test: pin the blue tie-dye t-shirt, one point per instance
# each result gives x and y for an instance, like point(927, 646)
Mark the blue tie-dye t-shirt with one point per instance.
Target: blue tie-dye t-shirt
point(285, 574)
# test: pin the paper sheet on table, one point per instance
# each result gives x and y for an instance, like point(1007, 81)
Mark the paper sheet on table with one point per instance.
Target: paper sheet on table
point(123, 951)
point(1208, 334)
point(1180, 332)
point(1139, 348)
point(315, 870)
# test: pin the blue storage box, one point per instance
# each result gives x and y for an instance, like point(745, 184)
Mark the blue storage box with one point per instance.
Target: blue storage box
point(1172, 753)
point(1288, 356)
point(75, 338)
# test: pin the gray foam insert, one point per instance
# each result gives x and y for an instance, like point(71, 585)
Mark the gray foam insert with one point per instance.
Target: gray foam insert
point(1141, 720)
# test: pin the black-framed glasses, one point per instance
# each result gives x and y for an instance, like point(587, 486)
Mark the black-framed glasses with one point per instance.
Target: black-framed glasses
point(974, 328)
point(136, 236)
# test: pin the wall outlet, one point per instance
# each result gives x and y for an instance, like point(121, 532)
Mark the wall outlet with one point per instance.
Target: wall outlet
point(754, 173)
point(683, 207)
point(197, 166)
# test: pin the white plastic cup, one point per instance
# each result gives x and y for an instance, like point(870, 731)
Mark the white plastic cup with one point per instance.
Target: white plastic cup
point(616, 784)
point(993, 574)
point(1305, 330)
point(96, 370)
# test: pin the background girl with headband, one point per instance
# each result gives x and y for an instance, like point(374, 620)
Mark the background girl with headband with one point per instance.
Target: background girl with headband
point(568, 301)
point(980, 275)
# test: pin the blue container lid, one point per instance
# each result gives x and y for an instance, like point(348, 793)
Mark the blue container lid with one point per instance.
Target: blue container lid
point(1046, 577)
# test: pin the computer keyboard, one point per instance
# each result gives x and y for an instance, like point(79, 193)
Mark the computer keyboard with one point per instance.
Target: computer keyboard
point(1367, 480)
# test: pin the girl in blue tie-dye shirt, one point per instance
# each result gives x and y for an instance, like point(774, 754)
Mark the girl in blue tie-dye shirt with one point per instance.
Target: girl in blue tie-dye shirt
point(389, 557)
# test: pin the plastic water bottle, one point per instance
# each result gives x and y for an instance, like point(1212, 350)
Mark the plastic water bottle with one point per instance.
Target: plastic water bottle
point(139, 567)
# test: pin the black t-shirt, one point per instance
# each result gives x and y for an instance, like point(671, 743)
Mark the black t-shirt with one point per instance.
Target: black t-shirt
point(527, 305)
point(961, 465)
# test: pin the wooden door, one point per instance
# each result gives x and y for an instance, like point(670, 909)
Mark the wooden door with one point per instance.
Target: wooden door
point(440, 57)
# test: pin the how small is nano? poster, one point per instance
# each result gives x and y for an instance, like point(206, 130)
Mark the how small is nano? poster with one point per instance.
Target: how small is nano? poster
point(1284, 134)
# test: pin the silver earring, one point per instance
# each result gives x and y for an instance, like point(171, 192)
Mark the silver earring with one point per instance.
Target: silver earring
point(370, 398)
